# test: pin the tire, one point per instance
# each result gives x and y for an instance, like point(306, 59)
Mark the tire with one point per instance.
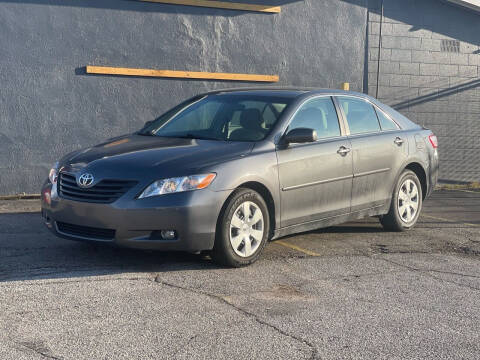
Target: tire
point(402, 215)
point(239, 242)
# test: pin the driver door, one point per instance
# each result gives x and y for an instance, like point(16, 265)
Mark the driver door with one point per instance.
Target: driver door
point(315, 178)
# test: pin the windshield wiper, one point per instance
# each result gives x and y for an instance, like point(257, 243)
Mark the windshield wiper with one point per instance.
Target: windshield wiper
point(192, 136)
point(145, 133)
point(185, 136)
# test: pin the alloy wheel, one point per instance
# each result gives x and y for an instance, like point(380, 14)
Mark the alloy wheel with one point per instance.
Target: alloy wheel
point(408, 201)
point(246, 229)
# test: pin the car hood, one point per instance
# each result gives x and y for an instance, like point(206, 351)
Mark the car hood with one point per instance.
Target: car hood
point(135, 156)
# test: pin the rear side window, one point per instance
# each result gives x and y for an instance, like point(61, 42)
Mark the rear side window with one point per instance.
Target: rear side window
point(385, 122)
point(361, 116)
point(317, 114)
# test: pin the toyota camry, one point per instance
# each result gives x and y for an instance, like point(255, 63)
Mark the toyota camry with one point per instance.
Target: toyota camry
point(227, 171)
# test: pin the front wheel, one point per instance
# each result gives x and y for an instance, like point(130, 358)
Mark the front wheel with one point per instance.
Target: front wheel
point(406, 203)
point(242, 229)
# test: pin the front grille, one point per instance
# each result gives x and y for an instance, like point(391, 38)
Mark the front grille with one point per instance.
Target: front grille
point(85, 231)
point(106, 191)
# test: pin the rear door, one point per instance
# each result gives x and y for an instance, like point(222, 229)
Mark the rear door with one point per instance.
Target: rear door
point(315, 178)
point(377, 154)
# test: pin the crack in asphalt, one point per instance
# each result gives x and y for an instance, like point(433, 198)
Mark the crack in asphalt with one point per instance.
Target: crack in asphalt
point(256, 318)
point(38, 282)
point(39, 349)
point(454, 273)
point(427, 271)
point(46, 352)
point(188, 342)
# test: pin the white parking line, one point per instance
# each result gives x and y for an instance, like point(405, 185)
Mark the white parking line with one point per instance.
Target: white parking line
point(297, 248)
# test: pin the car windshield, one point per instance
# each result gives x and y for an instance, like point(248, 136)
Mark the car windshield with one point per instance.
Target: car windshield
point(220, 117)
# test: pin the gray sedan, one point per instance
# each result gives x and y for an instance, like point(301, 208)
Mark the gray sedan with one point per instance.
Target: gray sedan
point(229, 170)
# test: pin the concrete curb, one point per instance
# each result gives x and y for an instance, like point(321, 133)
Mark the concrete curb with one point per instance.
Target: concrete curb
point(20, 197)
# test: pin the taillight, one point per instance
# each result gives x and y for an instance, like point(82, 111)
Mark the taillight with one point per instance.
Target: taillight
point(433, 141)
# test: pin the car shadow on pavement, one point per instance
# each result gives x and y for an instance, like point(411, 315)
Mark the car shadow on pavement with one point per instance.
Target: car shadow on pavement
point(28, 251)
point(352, 228)
point(369, 225)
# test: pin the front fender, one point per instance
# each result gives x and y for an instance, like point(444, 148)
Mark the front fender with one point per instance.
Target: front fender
point(260, 167)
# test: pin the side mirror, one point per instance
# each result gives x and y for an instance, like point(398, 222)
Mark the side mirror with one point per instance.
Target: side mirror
point(148, 123)
point(300, 135)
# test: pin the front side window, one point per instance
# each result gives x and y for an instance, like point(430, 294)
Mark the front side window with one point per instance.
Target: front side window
point(361, 116)
point(318, 114)
point(221, 117)
point(385, 122)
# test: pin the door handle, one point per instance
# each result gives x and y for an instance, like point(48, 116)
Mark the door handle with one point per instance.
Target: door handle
point(398, 141)
point(343, 151)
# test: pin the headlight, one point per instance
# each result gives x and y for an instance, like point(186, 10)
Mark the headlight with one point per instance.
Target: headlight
point(178, 184)
point(53, 174)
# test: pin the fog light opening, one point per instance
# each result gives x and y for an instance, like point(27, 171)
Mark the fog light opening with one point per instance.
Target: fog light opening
point(163, 235)
point(168, 234)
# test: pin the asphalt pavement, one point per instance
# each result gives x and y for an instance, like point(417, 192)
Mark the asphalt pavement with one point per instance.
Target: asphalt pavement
point(347, 292)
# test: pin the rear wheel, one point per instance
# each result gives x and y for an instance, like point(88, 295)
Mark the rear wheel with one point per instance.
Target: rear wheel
point(406, 203)
point(242, 229)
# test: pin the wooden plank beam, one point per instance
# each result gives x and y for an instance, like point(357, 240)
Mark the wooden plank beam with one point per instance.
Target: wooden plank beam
point(221, 5)
point(107, 70)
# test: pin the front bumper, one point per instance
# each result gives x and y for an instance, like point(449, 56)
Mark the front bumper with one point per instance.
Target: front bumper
point(137, 222)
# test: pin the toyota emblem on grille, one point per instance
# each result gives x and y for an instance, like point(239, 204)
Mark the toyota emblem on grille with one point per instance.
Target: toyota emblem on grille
point(85, 180)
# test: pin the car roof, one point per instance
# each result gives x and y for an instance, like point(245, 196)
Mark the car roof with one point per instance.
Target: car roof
point(292, 92)
point(303, 92)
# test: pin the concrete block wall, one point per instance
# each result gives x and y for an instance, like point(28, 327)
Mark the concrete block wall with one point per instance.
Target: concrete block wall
point(429, 70)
